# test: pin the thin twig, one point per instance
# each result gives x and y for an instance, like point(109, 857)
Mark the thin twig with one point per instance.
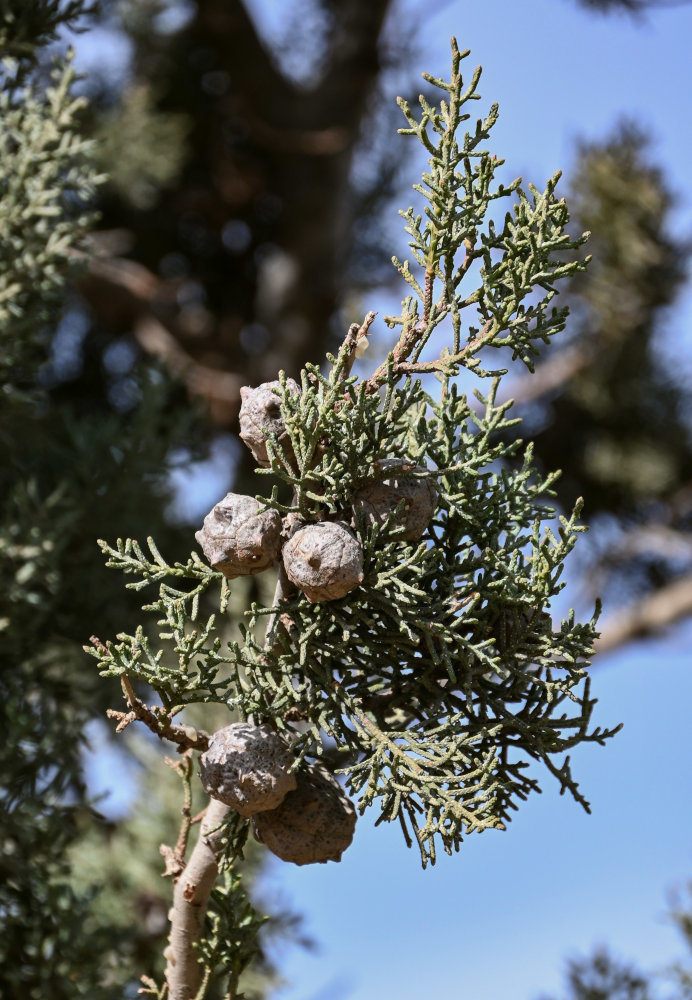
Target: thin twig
point(174, 857)
point(407, 341)
point(156, 718)
point(354, 336)
point(427, 299)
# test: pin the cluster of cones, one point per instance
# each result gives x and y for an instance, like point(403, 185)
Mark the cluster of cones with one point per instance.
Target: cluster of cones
point(324, 559)
point(303, 814)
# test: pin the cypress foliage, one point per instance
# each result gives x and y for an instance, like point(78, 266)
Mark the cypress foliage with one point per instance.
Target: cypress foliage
point(46, 177)
point(69, 469)
point(618, 425)
point(435, 681)
point(604, 977)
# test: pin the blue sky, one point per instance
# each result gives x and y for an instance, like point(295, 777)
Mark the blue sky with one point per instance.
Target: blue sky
point(497, 920)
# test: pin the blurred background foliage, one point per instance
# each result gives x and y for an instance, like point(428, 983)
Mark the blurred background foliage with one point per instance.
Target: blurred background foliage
point(239, 232)
point(606, 976)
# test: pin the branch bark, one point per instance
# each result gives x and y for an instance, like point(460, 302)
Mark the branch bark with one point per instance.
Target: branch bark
point(190, 899)
point(156, 719)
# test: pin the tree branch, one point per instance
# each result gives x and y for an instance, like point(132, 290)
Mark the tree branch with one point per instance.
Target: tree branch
point(132, 291)
point(156, 719)
point(295, 288)
point(410, 336)
point(193, 888)
point(353, 62)
point(649, 616)
point(220, 390)
point(190, 899)
point(262, 81)
point(355, 336)
point(551, 375)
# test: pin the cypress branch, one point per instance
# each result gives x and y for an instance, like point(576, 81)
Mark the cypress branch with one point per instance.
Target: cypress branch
point(435, 681)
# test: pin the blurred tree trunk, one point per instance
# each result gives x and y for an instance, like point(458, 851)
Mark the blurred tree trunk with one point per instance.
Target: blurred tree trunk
point(238, 270)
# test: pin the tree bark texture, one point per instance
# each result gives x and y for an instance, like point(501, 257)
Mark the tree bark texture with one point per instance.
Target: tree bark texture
point(190, 898)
